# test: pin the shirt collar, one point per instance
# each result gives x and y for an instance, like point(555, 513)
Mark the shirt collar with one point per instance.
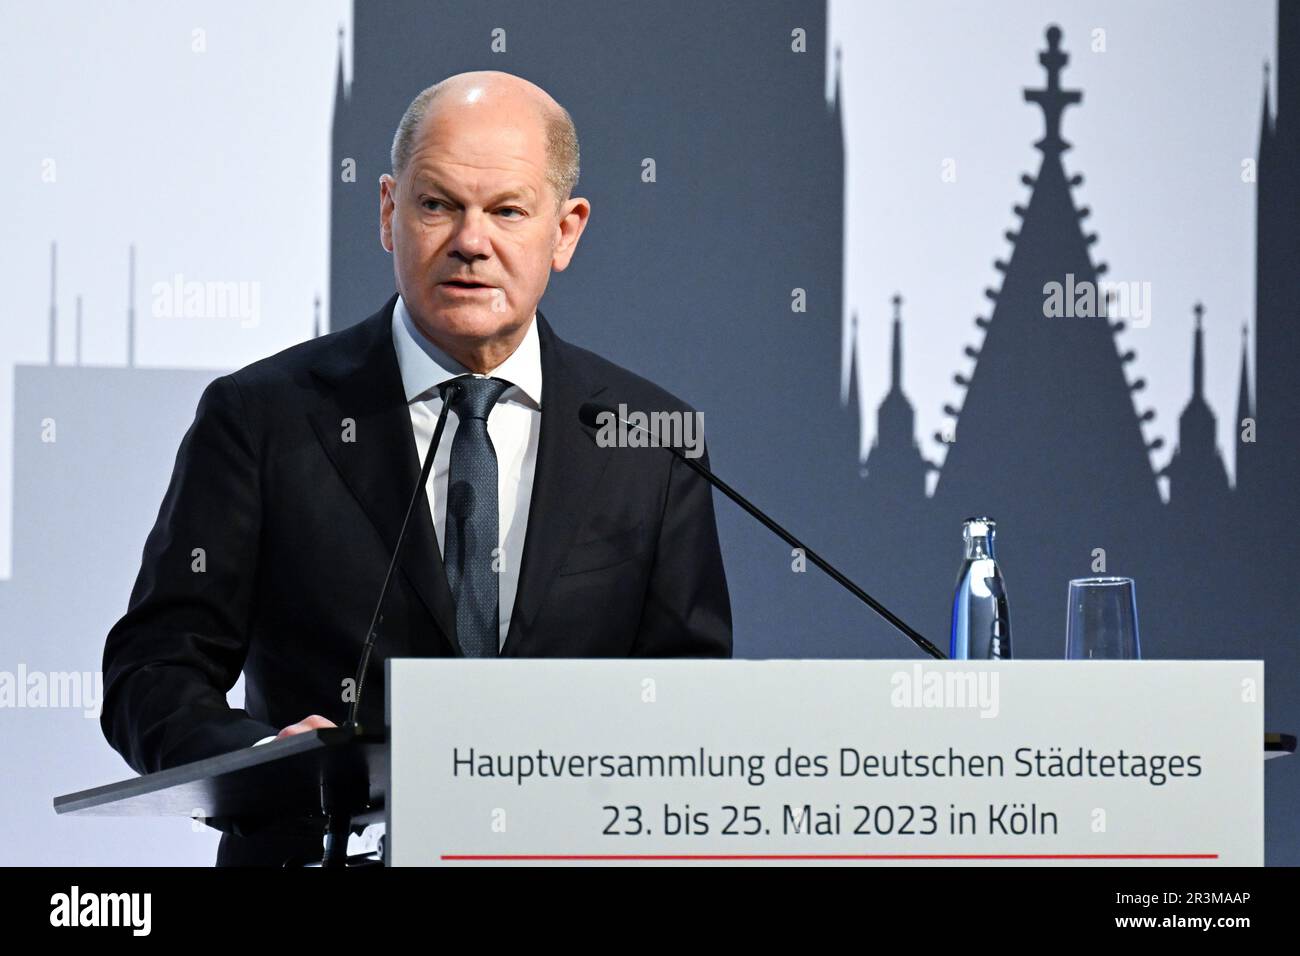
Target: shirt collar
point(425, 366)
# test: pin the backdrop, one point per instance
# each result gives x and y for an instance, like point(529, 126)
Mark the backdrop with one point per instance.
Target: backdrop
point(914, 261)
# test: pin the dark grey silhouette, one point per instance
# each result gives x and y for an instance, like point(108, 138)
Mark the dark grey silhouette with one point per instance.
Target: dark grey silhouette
point(1197, 477)
point(1047, 439)
point(895, 469)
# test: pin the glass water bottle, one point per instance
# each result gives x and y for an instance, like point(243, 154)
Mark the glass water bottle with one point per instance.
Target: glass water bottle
point(981, 625)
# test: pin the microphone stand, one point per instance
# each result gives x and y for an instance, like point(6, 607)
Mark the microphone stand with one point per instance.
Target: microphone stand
point(372, 635)
point(589, 412)
point(338, 812)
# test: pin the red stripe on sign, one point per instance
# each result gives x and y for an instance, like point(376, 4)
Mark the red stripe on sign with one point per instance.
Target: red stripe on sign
point(825, 856)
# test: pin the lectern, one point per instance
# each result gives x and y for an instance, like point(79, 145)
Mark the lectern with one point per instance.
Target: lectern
point(791, 762)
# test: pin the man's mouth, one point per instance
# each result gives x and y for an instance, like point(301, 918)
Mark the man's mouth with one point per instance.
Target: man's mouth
point(465, 284)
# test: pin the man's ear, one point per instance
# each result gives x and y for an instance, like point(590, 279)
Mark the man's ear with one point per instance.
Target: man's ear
point(387, 203)
point(573, 219)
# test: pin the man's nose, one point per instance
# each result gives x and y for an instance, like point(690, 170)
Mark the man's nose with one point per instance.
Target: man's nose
point(469, 239)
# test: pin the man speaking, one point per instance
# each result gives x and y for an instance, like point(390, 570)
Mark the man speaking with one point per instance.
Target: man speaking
point(291, 485)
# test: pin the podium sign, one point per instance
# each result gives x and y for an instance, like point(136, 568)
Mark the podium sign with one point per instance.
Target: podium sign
point(802, 762)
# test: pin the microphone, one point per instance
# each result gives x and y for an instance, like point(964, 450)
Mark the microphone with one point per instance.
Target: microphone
point(590, 413)
point(372, 635)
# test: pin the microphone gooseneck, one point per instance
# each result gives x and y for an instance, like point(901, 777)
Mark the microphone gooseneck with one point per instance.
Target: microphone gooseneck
point(372, 634)
point(590, 413)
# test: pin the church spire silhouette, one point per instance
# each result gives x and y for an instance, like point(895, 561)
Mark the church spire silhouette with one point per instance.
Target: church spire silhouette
point(1275, 458)
point(1048, 408)
point(896, 354)
point(1196, 473)
point(344, 149)
point(340, 81)
point(895, 467)
point(1198, 356)
point(849, 390)
point(1052, 98)
point(1245, 424)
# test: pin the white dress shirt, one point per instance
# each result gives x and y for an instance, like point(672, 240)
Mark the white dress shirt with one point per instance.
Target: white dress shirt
point(514, 425)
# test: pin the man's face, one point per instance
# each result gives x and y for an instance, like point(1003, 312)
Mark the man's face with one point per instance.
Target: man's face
point(473, 226)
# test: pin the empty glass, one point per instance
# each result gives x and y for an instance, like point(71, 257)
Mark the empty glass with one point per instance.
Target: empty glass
point(1101, 621)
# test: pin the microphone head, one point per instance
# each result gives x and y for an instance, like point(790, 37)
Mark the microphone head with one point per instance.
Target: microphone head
point(590, 412)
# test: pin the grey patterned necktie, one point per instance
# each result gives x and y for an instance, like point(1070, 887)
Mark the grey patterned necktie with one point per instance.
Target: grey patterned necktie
point(470, 537)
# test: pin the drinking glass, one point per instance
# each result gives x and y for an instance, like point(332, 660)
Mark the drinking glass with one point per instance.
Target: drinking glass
point(1101, 621)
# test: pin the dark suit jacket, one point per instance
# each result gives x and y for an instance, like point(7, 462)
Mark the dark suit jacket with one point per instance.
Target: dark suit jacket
point(275, 532)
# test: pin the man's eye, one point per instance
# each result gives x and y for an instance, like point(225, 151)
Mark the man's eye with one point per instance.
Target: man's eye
point(430, 203)
point(513, 209)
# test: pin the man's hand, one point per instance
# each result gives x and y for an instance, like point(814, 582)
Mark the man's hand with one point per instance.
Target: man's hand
point(314, 722)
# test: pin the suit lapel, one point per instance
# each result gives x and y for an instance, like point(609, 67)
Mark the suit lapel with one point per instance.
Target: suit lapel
point(380, 464)
point(569, 465)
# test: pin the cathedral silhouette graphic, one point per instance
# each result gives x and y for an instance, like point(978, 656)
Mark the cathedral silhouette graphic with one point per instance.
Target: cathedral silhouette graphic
point(1048, 440)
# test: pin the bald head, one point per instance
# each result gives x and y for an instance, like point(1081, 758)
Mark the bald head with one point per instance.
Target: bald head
point(495, 90)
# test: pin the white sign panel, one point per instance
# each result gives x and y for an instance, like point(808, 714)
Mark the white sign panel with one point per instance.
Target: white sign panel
point(799, 762)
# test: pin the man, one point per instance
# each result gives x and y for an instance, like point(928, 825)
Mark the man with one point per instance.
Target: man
point(290, 487)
